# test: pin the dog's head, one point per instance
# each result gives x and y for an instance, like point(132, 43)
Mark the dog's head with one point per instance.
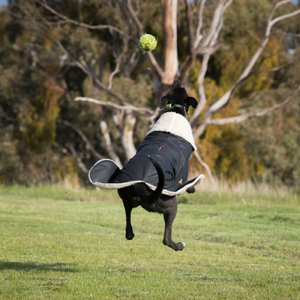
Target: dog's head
point(177, 100)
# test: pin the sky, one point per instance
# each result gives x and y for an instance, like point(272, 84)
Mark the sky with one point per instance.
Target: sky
point(3, 2)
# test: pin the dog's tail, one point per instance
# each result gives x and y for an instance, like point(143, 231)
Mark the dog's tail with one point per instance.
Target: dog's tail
point(151, 197)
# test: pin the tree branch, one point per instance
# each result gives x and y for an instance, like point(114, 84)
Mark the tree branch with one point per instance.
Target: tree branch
point(67, 20)
point(154, 64)
point(226, 97)
point(85, 139)
point(81, 165)
point(214, 24)
point(191, 56)
point(133, 61)
point(83, 66)
point(256, 113)
point(112, 74)
point(199, 36)
point(141, 110)
point(109, 148)
point(154, 116)
point(220, 24)
point(211, 49)
point(206, 168)
point(208, 48)
point(201, 90)
point(271, 69)
point(135, 18)
point(140, 28)
point(290, 33)
point(118, 62)
point(189, 20)
point(286, 16)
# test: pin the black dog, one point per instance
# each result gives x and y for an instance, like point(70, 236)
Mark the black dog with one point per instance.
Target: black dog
point(159, 170)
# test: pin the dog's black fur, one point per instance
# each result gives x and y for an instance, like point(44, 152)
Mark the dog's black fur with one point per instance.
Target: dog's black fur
point(154, 201)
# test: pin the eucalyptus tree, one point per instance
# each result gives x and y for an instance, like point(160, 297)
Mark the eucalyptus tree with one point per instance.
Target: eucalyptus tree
point(101, 39)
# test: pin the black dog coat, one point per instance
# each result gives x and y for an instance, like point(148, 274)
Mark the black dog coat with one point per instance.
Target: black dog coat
point(170, 142)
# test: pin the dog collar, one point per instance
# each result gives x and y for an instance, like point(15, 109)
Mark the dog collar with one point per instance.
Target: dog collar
point(170, 105)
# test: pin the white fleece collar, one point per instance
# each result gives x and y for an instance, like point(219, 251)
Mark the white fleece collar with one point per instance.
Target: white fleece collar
point(176, 124)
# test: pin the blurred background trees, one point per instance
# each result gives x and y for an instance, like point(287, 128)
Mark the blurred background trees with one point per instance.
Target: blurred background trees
point(75, 87)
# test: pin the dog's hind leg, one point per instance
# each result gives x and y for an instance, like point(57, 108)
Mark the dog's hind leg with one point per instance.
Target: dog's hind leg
point(129, 201)
point(169, 217)
point(129, 231)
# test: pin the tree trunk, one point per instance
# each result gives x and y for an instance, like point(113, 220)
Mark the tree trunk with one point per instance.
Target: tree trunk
point(170, 41)
point(109, 148)
point(127, 135)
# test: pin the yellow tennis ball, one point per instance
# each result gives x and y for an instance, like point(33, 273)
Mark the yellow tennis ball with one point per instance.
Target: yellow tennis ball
point(148, 43)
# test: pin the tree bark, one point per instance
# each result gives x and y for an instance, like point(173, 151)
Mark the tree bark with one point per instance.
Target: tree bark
point(191, 54)
point(170, 41)
point(109, 148)
point(127, 135)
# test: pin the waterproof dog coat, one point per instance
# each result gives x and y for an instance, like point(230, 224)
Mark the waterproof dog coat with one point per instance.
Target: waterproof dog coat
point(170, 142)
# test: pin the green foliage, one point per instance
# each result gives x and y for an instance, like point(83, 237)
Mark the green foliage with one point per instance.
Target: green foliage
point(226, 149)
point(65, 171)
point(39, 126)
point(273, 140)
point(39, 81)
point(231, 160)
point(276, 139)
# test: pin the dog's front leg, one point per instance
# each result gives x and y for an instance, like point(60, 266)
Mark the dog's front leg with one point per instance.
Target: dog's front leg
point(169, 217)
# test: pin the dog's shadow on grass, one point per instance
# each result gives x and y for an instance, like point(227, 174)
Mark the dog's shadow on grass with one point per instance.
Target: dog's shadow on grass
point(37, 266)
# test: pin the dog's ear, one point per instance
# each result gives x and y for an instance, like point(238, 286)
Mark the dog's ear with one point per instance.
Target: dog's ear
point(191, 101)
point(164, 101)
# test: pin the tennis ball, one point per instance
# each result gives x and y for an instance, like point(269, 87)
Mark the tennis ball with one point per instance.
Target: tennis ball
point(148, 43)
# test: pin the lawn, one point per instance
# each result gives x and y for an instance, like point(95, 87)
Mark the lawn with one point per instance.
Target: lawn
point(62, 244)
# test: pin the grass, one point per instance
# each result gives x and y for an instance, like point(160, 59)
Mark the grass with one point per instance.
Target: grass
point(61, 244)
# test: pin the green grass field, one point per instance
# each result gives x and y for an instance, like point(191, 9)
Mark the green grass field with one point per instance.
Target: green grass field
point(61, 244)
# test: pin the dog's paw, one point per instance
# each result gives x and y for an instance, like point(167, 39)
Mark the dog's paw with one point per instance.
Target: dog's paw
point(180, 246)
point(191, 190)
point(129, 236)
point(175, 246)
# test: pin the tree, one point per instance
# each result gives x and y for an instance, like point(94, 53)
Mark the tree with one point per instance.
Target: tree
point(100, 38)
